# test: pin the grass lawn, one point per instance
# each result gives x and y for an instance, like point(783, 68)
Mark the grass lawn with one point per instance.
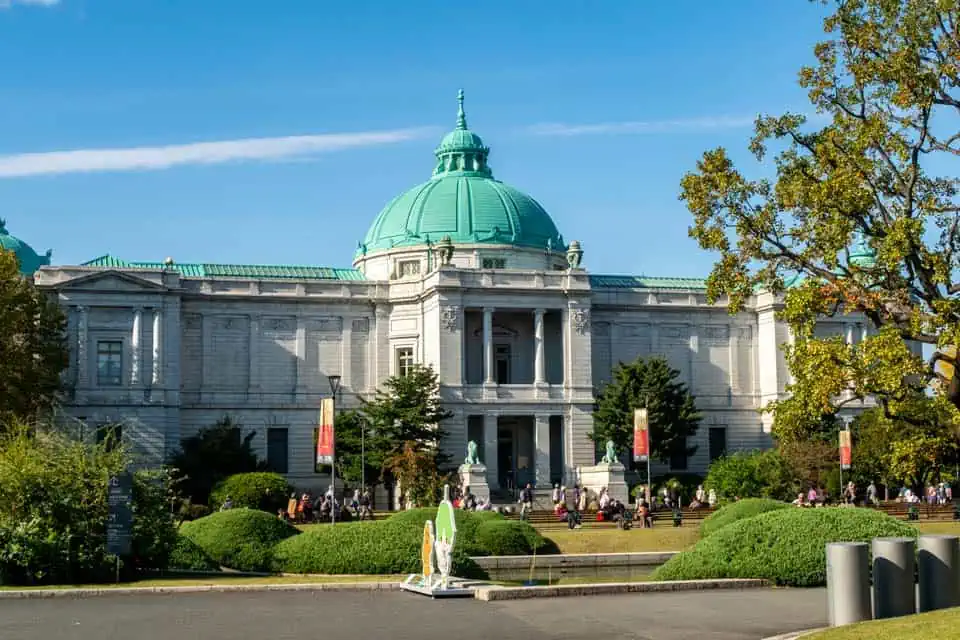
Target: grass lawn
point(215, 580)
point(617, 541)
point(949, 528)
point(936, 624)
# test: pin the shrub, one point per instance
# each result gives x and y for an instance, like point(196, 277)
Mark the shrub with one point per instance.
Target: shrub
point(384, 547)
point(786, 546)
point(504, 538)
point(188, 555)
point(754, 474)
point(212, 454)
point(736, 511)
point(262, 490)
point(241, 539)
point(53, 509)
point(468, 525)
point(190, 511)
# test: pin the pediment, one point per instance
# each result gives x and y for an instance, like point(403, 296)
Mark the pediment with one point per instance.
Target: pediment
point(110, 281)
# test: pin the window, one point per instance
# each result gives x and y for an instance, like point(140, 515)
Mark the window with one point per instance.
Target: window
point(678, 457)
point(109, 363)
point(404, 361)
point(408, 268)
point(494, 263)
point(718, 442)
point(502, 357)
point(277, 443)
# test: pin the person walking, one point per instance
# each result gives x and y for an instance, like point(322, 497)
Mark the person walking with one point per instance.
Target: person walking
point(526, 501)
point(556, 494)
point(872, 494)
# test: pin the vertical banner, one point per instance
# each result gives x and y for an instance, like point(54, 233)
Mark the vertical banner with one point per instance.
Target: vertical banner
point(325, 433)
point(641, 435)
point(845, 449)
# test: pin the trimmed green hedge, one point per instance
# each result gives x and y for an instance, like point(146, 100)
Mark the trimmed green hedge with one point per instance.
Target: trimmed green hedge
point(188, 555)
point(469, 524)
point(264, 491)
point(362, 548)
point(504, 538)
point(736, 511)
point(785, 546)
point(241, 539)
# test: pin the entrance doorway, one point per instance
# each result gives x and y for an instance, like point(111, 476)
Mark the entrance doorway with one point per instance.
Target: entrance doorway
point(515, 453)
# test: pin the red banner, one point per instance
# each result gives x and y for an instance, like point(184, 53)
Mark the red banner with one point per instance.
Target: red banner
point(325, 433)
point(641, 435)
point(846, 449)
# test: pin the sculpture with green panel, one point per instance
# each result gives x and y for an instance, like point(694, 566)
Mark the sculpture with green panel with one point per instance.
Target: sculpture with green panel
point(463, 201)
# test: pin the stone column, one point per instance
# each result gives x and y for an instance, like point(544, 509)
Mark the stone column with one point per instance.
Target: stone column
point(864, 331)
point(346, 352)
point(157, 373)
point(254, 350)
point(83, 361)
point(542, 457)
point(539, 369)
point(849, 332)
point(490, 441)
point(733, 345)
point(136, 340)
point(488, 364)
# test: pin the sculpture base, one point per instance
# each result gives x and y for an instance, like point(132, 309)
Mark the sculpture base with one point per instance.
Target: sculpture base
point(456, 587)
point(606, 475)
point(475, 477)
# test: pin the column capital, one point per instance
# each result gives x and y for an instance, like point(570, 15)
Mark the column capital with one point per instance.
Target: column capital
point(488, 309)
point(539, 312)
point(541, 417)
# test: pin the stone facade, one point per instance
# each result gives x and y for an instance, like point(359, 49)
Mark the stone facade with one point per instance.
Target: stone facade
point(519, 354)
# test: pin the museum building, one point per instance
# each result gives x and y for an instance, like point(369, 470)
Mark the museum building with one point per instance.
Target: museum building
point(463, 273)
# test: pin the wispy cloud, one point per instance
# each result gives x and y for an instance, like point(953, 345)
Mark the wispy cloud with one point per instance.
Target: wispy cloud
point(6, 4)
point(638, 127)
point(199, 153)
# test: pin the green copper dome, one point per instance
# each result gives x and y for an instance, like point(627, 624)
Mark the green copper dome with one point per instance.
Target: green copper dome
point(29, 259)
point(464, 201)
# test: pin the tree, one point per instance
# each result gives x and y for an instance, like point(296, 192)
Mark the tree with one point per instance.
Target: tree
point(33, 345)
point(417, 471)
point(407, 411)
point(212, 454)
point(649, 383)
point(861, 216)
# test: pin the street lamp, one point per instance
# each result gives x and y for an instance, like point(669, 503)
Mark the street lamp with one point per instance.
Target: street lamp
point(334, 388)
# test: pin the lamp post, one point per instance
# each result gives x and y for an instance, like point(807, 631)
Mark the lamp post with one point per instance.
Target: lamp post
point(334, 388)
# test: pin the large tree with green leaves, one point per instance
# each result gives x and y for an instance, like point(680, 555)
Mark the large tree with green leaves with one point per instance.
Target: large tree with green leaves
point(33, 345)
point(653, 384)
point(407, 410)
point(861, 214)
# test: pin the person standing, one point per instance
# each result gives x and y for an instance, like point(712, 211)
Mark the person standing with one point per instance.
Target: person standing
point(556, 494)
point(872, 494)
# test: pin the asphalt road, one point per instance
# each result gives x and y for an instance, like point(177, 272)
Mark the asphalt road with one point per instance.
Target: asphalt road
point(718, 615)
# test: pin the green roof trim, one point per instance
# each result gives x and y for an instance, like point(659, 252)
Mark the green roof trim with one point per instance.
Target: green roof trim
point(213, 270)
point(647, 282)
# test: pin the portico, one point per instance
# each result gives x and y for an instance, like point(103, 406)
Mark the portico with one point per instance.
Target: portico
point(513, 347)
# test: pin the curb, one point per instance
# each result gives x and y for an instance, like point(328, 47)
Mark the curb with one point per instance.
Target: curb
point(38, 594)
point(491, 594)
point(794, 635)
point(576, 560)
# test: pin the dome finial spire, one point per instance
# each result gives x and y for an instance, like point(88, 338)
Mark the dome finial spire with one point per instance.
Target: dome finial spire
point(461, 116)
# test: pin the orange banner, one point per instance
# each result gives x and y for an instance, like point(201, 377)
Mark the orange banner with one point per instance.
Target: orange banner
point(846, 449)
point(641, 435)
point(325, 435)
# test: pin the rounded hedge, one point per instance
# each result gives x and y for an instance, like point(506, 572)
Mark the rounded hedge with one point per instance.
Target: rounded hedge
point(189, 556)
point(241, 539)
point(504, 538)
point(736, 511)
point(469, 524)
point(264, 491)
point(383, 548)
point(785, 546)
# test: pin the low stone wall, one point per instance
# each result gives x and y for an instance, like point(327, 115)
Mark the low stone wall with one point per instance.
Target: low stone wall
point(576, 560)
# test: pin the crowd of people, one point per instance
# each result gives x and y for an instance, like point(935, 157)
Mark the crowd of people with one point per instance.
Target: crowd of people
point(306, 509)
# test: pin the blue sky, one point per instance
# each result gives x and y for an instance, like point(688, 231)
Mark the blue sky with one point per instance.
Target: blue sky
point(322, 112)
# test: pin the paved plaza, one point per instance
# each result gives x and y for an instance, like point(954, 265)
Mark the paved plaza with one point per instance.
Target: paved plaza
point(726, 615)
